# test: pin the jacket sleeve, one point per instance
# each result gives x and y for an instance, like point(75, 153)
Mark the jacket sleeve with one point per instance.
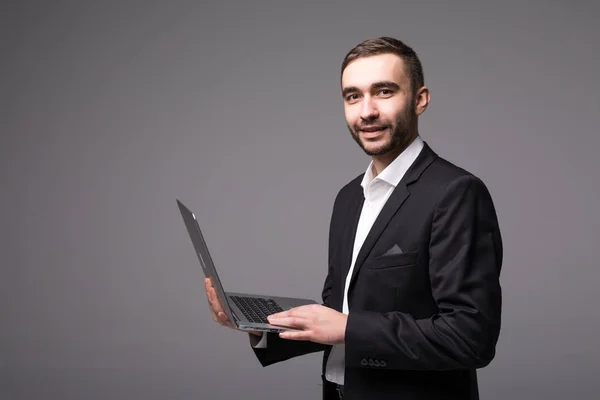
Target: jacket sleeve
point(465, 257)
point(278, 349)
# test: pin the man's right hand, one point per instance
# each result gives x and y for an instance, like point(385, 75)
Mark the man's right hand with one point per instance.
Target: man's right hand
point(217, 310)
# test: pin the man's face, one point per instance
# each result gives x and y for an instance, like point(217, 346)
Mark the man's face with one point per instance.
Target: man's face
point(378, 103)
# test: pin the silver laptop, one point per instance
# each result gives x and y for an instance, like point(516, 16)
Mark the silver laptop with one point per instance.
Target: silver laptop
point(247, 311)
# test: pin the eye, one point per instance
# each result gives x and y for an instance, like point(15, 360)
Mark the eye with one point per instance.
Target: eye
point(351, 97)
point(385, 92)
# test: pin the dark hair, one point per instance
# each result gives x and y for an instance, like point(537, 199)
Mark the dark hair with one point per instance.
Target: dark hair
point(385, 45)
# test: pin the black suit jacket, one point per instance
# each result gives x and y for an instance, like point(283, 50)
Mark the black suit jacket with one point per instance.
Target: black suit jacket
point(420, 322)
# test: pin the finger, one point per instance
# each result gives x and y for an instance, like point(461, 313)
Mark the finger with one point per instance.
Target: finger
point(306, 310)
point(215, 306)
point(211, 300)
point(208, 284)
point(280, 314)
point(222, 316)
point(212, 310)
point(303, 312)
point(292, 312)
point(224, 320)
point(210, 297)
point(215, 301)
point(294, 335)
point(293, 322)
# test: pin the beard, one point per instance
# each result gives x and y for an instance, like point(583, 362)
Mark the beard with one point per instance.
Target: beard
point(400, 132)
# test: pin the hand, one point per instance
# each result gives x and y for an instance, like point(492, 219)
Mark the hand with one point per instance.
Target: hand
point(217, 310)
point(319, 324)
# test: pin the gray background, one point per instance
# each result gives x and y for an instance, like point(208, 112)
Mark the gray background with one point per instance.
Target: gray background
point(111, 110)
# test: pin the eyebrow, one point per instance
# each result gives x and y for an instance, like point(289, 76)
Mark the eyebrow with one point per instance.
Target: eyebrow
point(376, 85)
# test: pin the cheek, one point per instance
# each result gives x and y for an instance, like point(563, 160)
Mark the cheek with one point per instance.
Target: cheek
point(350, 115)
point(390, 111)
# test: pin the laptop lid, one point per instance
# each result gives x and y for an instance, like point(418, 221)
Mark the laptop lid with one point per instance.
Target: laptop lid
point(204, 257)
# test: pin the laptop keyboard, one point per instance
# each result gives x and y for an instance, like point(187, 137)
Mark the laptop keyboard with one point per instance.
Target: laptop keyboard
point(256, 309)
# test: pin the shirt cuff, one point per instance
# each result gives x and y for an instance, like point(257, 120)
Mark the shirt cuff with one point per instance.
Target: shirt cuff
point(262, 343)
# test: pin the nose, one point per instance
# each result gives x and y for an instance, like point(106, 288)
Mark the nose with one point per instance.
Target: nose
point(368, 110)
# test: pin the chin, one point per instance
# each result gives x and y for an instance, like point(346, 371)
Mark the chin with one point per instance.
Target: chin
point(376, 148)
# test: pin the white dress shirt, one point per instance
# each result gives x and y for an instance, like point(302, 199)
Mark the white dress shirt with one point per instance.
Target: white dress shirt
point(376, 190)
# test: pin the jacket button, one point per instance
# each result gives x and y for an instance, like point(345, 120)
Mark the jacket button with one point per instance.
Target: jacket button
point(371, 363)
point(377, 363)
point(363, 362)
point(383, 363)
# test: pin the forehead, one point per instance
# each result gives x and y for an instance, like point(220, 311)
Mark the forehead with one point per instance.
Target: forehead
point(364, 71)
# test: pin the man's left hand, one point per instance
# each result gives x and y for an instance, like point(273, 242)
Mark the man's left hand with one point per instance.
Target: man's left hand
point(318, 324)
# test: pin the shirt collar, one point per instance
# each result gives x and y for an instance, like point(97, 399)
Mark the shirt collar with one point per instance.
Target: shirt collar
point(394, 172)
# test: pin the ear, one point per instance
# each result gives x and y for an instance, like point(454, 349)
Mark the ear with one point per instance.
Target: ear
point(422, 99)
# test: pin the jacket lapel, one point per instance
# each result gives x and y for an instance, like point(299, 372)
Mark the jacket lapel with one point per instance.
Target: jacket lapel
point(397, 198)
point(391, 207)
point(354, 209)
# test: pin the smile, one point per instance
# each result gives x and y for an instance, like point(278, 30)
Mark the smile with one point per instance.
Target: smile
point(372, 132)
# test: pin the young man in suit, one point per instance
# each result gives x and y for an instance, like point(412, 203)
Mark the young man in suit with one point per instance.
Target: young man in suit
point(412, 298)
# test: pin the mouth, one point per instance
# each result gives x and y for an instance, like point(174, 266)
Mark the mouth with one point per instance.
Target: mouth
point(372, 131)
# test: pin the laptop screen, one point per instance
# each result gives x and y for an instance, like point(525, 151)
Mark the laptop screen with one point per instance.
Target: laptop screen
point(204, 257)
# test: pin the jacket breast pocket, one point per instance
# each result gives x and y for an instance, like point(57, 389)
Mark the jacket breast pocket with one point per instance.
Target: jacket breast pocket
point(393, 261)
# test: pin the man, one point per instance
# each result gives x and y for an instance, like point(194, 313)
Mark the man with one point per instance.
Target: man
point(412, 299)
